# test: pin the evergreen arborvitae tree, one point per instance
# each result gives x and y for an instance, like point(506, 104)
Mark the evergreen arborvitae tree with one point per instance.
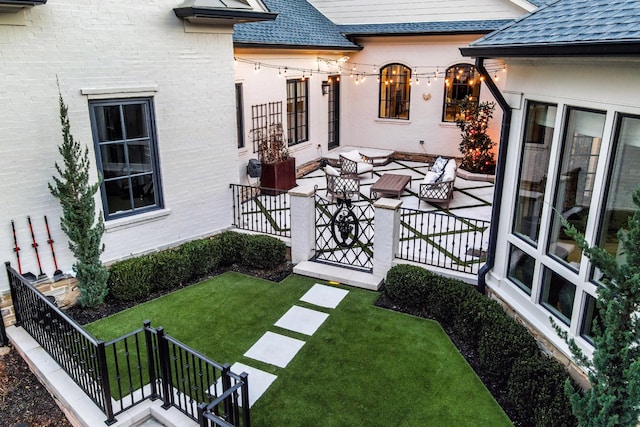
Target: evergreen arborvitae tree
point(476, 145)
point(614, 371)
point(79, 215)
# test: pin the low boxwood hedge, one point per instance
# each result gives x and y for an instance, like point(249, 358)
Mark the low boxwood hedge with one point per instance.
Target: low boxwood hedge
point(508, 354)
point(134, 279)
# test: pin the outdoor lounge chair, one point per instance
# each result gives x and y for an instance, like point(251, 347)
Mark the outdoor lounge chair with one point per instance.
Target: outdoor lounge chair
point(340, 185)
point(354, 164)
point(437, 185)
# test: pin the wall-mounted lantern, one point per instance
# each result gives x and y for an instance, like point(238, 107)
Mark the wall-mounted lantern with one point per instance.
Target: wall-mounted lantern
point(325, 87)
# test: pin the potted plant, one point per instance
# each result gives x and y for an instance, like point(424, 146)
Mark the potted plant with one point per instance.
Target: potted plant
point(278, 168)
point(476, 146)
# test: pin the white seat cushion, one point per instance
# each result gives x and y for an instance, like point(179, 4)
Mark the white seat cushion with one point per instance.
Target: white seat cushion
point(430, 178)
point(330, 170)
point(364, 168)
point(449, 173)
point(352, 155)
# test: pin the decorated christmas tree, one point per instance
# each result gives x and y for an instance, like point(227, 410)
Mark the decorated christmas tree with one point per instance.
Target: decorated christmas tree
point(476, 146)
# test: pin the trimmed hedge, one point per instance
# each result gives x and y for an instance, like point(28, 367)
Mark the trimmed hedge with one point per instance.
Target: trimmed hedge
point(507, 353)
point(134, 279)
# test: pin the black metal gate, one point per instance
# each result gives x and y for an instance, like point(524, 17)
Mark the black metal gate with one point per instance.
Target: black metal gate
point(344, 233)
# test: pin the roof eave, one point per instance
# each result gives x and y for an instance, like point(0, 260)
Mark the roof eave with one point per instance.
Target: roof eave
point(257, 45)
point(10, 6)
point(201, 15)
point(416, 33)
point(559, 50)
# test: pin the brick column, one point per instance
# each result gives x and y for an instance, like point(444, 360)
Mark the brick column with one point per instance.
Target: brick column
point(385, 245)
point(303, 223)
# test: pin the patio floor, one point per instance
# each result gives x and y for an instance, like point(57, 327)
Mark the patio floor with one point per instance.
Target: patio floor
point(471, 199)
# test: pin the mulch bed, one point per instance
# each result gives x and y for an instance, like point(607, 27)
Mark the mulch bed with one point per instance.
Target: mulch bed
point(25, 402)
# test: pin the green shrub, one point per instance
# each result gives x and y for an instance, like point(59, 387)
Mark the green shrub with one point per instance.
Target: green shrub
point(409, 286)
point(171, 268)
point(229, 247)
point(502, 342)
point(536, 391)
point(263, 251)
point(130, 280)
point(203, 256)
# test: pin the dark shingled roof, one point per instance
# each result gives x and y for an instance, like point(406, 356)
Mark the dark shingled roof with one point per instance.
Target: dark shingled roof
point(298, 24)
point(568, 28)
point(405, 28)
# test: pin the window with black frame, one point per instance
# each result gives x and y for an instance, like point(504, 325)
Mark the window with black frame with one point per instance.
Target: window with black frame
point(395, 91)
point(297, 111)
point(461, 81)
point(126, 151)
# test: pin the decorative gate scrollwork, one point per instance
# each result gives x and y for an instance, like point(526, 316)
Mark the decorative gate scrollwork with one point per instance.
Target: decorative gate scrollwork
point(344, 233)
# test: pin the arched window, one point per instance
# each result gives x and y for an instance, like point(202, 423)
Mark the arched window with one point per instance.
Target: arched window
point(461, 80)
point(395, 88)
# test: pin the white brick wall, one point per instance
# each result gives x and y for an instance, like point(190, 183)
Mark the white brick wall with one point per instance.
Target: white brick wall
point(119, 44)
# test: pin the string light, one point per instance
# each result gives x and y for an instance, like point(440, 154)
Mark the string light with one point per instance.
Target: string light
point(459, 73)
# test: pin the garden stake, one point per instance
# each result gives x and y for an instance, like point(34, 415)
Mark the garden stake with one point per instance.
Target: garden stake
point(35, 248)
point(58, 272)
point(16, 248)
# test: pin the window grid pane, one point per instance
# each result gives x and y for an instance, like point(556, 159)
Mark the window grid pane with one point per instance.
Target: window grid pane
point(128, 163)
point(297, 118)
point(557, 295)
point(395, 91)
point(575, 180)
point(521, 268)
point(461, 80)
point(533, 169)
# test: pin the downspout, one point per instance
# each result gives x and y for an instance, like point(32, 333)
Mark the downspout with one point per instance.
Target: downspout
point(499, 176)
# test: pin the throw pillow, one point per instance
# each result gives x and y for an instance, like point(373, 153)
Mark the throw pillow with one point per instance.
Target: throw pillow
point(439, 164)
point(330, 170)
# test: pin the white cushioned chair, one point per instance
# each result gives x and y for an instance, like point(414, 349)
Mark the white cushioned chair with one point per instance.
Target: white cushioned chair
point(354, 164)
point(340, 185)
point(437, 185)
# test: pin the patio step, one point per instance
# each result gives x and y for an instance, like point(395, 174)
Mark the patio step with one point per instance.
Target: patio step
point(345, 276)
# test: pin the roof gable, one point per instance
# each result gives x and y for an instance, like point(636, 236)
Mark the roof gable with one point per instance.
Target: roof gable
point(298, 24)
point(567, 27)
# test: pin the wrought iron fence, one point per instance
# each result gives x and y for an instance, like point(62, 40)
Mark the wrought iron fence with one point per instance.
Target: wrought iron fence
point(143, 364)
point(344, 233)
point(260, 209)
point(442, 240)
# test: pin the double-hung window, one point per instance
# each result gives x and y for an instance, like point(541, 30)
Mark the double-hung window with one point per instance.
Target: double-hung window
point(297, 111)
point(126, 150)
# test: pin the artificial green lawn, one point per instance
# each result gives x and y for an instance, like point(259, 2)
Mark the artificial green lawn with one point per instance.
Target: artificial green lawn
point(365, 366)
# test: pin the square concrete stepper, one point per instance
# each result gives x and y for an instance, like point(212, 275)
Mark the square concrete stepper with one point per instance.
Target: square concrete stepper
point(324, 296)
point(275, 349)
point(303, 320)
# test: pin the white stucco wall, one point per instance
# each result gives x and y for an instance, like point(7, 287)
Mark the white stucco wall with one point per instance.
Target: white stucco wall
point(383, 11)
point(598, 85)
point(359, 122)
point(361, 125)
point(115, 49)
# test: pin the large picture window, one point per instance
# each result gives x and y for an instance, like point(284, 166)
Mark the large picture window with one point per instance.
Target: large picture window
point(624, 179)
point(539, 129)
point(126, 151)
point(461, 80)
point(575, 180)
point(395, 91)
point(297, 111)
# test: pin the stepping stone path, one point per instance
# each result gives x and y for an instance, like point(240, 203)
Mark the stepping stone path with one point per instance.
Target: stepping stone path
point(277, 349)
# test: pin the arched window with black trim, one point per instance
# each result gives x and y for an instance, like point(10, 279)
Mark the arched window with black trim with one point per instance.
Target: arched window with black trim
point(460, 80)
point(395, 91)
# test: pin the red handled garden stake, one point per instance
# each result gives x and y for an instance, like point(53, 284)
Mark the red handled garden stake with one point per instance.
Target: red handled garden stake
point(35, 248)
point(58, 272)
point(16, 248)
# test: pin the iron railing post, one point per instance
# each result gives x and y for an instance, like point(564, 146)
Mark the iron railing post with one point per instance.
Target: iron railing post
point(165, 368)
point(14, 295)
point(246, 418)
point(103, 369)
point(226, 385)
point(202, 422)
point(148, 338)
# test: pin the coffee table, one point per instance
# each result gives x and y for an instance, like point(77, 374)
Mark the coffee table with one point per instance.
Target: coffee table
point(390, 184)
